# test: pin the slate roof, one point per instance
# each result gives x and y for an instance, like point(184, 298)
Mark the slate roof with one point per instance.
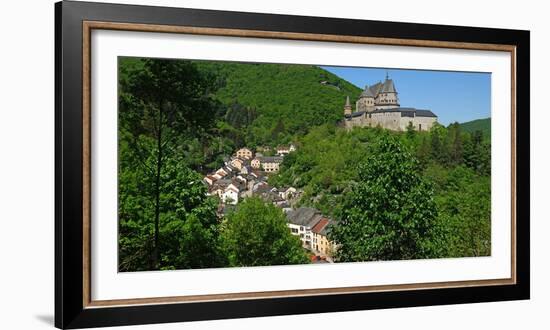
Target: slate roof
point(425, 113)
point(274, 159)
point(304, 216)
point(405, 112)
point(388, 87)
point(355, 114)
point(367, 92)
point(380, 87)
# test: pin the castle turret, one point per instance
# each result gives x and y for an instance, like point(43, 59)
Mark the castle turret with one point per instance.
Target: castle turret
point(387, 96)
point(366, 100)
point(347, 107)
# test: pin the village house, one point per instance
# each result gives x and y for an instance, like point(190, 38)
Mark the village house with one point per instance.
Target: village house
point(237, 163)
point(312, 228)
point(230, 194)
point(321, 244)
point(263, 149)
point(255, 163)
point(287, 192)
point(285, 150)
point(300, 222)
point(244, 153)
point(245, 170)
point(222, 172)
point(270, 164)
point(209, 179)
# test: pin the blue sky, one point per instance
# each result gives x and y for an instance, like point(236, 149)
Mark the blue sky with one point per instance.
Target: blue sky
point(452, 96)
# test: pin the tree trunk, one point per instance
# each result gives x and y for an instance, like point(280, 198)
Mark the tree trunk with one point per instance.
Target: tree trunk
point(156, 261)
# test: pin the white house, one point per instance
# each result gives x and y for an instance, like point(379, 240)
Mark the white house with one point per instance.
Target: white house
point(285, 150)
point(230, 195)
point(301, 221)
point(271, 164)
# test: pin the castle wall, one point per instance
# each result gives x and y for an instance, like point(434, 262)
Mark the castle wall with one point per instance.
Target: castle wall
point(390, 120)
point(426, 122)
point(356, 122)
point(419, 123)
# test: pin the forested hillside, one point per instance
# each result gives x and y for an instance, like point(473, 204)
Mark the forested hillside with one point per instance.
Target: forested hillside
point(285, 99)
point(483, 125)
point(266, 104)
point(330, 163)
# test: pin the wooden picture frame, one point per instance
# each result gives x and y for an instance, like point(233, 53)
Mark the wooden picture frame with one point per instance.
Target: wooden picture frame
point(74, 307)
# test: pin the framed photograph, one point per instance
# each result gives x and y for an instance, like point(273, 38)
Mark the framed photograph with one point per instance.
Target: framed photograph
point(214, 164)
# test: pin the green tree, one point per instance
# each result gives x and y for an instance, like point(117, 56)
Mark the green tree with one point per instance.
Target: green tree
point(163, 105)
point(256, 234)
point(188, 225)
point(456, 148)
point(477, 154)
point(278, 130)
point(390, 213)
point(465, 210)
point(411, 131)
point(438, 149)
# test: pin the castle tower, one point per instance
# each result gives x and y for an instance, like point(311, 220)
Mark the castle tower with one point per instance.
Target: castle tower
point(387, 96)
point(347, 107)
point(366, 100)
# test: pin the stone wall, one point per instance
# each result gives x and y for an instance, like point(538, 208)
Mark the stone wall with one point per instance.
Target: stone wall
point(390, 120)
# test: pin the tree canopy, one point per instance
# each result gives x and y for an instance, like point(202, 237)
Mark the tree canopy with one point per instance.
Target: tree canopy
point(164, 107)
point(390, 213)
point(256, 235)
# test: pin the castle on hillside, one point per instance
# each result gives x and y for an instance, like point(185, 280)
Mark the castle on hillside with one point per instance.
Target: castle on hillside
point(378, 105)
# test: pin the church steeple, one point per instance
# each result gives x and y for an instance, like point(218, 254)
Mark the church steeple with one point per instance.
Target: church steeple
point(347, 107)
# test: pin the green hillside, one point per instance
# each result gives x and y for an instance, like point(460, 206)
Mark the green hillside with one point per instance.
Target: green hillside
point(483, 125)
point(270, 103)
point(285, 99)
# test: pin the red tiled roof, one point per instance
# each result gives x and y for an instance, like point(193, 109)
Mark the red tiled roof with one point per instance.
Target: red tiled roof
point(320, 225)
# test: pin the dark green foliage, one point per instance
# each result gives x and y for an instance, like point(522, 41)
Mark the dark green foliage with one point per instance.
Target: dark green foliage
point(477, 153)
point(165, 114)
point(187, 223)
point(326, 164)
point(464, 201)
point(256, 235)
point(287, 99)
point(390, 213)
